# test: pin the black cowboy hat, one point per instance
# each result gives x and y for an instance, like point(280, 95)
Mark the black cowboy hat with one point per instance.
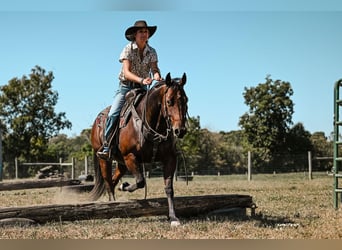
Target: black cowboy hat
point(139, 25)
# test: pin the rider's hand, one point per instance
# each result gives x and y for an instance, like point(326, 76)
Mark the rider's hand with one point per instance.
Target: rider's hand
point(147, 81)
point(157, 77)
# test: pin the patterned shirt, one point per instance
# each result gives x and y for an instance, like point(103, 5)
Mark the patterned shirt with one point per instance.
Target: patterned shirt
point(141, 68)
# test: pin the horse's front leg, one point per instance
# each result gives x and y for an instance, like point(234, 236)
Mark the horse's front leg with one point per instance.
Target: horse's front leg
point(168, 180)
point(133, 166)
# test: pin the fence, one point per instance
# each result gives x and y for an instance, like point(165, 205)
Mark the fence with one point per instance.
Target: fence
point(302, 164)
point(310, 164)
point(60, 164)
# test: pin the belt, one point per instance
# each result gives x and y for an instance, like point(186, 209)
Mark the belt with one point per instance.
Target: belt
point(131, 84)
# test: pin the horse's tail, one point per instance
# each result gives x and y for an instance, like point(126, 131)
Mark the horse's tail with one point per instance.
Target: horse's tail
point(99, 186)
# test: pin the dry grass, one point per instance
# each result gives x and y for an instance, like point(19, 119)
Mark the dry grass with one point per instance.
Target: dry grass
point(289, 207)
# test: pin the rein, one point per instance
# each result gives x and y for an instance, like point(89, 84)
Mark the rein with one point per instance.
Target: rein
point(151, 134)
point(156, 137)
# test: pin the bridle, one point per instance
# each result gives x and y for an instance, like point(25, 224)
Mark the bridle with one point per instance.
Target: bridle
point(156, 136)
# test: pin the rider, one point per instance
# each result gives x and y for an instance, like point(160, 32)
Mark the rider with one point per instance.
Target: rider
point(139, 60)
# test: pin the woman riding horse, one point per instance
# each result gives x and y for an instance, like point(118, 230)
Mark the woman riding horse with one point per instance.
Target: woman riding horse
point(149, 135)
point(138, 59)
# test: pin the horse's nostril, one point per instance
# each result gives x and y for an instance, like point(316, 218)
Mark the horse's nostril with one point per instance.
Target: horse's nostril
point(177, 132)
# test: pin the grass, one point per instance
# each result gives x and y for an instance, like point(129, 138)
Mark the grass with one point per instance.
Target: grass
point(289, 207)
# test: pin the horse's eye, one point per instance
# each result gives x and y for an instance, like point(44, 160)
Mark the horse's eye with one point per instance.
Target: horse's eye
point(169, 102)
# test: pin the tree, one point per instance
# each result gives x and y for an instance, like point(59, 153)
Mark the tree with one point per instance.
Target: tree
point(322, 147)
point(190, 144)
point(232, 151)
point(270, 114)
point(27, 111)
point(78, 147)
point(298, 143)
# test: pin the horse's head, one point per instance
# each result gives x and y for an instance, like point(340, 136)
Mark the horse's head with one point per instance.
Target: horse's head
point(176, 104)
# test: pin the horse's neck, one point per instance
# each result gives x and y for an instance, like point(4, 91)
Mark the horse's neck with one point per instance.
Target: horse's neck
point(153, 104)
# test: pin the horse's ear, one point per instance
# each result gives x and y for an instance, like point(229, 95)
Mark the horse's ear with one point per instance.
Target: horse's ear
point(183, 80)
point(168, 79)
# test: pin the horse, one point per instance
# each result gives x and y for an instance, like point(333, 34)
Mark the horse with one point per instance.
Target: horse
point(149, 135)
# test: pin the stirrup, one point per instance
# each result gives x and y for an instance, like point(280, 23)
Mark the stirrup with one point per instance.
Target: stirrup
point(104, 152)
point(103, 155)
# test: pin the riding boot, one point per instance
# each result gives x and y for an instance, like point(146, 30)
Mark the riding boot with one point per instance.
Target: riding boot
point(104, 154)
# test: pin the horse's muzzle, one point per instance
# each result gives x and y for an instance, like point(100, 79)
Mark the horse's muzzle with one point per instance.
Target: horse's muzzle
point(179, 132)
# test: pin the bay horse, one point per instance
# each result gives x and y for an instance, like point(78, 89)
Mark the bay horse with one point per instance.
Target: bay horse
point(149, 135)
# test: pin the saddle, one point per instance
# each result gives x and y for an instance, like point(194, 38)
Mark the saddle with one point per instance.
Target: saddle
point(133, 98)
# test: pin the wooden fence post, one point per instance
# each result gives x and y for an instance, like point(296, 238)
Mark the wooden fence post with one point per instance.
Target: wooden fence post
point(1, 166)
point(73, 168)
point(16, 167)
point(249, 167)
point(86, 165)
point(310, 165)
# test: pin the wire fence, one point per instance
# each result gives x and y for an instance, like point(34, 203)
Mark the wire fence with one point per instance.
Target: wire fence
point(301, 164)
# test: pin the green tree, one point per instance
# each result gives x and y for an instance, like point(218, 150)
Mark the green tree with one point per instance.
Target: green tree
point(190, 144)
point(78, 147)
point(267, 122)
point(295, 154)
point(232, 151)
point(27, 111)
point(322, 147)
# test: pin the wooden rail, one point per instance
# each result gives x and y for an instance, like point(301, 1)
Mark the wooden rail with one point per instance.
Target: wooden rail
point(29, 184)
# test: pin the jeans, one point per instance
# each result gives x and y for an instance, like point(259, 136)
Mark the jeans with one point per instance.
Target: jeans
point(114, 112)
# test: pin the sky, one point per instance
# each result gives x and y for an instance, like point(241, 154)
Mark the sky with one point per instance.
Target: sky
point(223, 46)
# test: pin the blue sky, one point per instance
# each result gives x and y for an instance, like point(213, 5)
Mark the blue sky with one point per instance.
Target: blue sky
point(223, 46)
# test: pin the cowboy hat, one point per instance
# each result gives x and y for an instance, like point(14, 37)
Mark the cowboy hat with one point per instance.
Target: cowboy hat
point(139, 25)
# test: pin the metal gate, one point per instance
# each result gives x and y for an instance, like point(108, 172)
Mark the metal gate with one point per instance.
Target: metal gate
point(337, 168)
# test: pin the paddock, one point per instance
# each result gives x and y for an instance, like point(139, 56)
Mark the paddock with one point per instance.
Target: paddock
point(289, 206)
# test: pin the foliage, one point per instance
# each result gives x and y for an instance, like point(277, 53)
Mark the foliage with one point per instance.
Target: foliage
point(63, 148)
point(322, 147)
point(190, 144)
point(27, 111)
point(267, 122)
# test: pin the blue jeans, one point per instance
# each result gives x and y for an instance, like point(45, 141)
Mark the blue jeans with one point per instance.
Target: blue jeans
point(114, 112)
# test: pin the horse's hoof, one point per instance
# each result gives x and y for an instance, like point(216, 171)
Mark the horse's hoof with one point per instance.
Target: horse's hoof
point(175, 223)
point(123, 186)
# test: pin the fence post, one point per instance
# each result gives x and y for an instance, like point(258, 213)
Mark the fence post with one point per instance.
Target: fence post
point(249, 166)
point(61, 170)
point(310, 165)
point(73, 168)
point(86, 165)
point(16, 167)
point(1, 166)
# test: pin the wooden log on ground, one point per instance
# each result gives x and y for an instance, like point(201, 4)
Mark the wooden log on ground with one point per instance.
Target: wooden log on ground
point(29, 184)
point(185, 207)
point(85, 187)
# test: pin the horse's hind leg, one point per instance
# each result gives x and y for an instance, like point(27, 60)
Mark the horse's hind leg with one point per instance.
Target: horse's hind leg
point(106, 171)
point(120, 170)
